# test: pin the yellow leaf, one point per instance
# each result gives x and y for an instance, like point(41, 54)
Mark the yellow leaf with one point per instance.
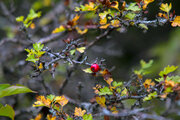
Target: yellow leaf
point(165, 7)
point(90, 6)
point(114, 110)
point(40, 66)
point(101, 101)
point(109, 81)
point(47, 2)
point(61, 28)
point(124, 92)
point(176, 22)
point(81, 49)
point(81, 31)
point(79, 112)
point(62, 100)
point(104, 26)
point(115, 5)
point(103, 21)
point(146, 2)
point(115, 23)
point(87, 70)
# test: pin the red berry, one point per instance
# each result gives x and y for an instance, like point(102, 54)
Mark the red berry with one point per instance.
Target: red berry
point(95, 67)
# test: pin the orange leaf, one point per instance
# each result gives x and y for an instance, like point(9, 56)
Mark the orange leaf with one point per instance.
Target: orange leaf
point(106, 74)
point(42, 101)
point(148, 83)
point(38, 117)
point(50, 117)
point(74, 20)
point(146, 2)
point(79, 112)
point(170, 83)
point(62, 100)
point(176, 22)
point(32, 26)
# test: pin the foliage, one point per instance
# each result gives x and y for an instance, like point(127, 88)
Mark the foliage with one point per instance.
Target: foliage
point(167, 70)
point(7, 111)
point(36, 53)
point(99, 17)
point(8, 90)
point(29, 19)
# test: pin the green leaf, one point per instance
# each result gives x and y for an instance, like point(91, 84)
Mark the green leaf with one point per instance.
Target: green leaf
point(168, 70)
point(40, 53)
point(150, 96)
point(176, 79)
point(87, 70)
point(133, 7)
point(69, 118)
point(1, 105)
point(7, 111)
point(146, 65)
point(87, 117)
point(77, 9)
point(12, 90)
point(31, 58)
point(168, 90)
point(38, 46)
point(4, 86)
point(90, 15)
point(104, 91)
point(159, 79)
point(20, 19)
point(130, 16)
point(32, 15)
point(143, 26)
point(72, 52)
point(51, 97)
point(117, 84)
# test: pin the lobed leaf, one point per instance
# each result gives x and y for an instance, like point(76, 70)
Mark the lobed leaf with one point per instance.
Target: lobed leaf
point(87, 117)
point(168, 70)
point(104, 91)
